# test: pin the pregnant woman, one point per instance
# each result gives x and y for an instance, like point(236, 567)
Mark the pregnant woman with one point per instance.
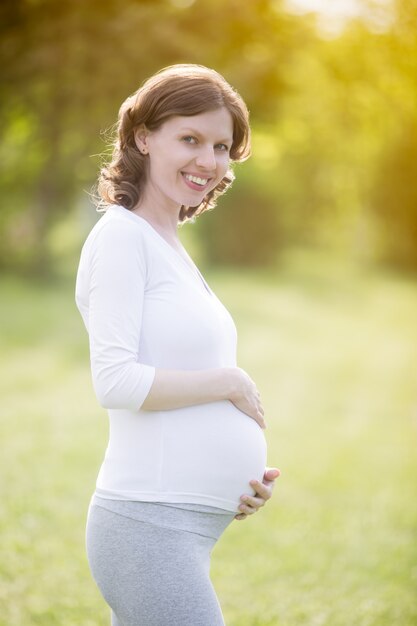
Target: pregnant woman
point(186, 441)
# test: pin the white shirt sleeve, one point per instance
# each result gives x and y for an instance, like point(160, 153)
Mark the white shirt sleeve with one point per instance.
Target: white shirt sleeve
point(116, 294)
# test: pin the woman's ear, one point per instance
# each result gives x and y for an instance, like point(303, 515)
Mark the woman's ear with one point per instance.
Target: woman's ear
point(141, 139)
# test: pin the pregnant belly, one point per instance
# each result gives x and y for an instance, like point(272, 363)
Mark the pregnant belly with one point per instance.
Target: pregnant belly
point(212, 450)
point(204, 454)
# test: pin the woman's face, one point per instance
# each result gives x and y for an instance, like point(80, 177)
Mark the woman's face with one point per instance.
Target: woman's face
point(189, 156)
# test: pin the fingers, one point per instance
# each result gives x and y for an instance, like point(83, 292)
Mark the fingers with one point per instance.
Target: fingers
point(258, 415)
point(262, 490)
point(270, 475)
point(260, 419)
point(261, 413)
point(247, 398)
point(250, 504)
point(257, 410)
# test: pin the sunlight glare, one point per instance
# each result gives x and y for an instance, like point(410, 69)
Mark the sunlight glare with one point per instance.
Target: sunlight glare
point(333, 15)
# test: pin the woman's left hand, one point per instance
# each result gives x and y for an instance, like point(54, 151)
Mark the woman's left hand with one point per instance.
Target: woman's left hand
point(263, 492)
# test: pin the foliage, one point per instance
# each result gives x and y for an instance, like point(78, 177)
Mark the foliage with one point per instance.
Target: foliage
point(67, 66)
point(394, 194)
point(328, 113)
point(395, 199)
point(244, 229)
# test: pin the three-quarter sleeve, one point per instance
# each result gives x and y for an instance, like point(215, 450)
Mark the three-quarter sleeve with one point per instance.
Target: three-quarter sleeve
point(116, 293)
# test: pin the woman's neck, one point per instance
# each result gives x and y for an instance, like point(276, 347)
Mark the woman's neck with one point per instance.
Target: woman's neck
point(163, 219)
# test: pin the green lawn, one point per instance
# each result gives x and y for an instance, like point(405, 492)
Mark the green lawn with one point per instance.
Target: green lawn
point(334, 352)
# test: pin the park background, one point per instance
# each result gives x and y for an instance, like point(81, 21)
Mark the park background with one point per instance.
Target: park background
point(313, 250)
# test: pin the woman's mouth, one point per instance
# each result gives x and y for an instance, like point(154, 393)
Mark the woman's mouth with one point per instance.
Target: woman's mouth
point(198, 183)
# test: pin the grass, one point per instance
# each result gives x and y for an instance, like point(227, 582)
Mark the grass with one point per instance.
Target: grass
point(334, 351)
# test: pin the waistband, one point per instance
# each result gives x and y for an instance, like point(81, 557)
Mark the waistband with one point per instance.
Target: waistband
point(194, 518)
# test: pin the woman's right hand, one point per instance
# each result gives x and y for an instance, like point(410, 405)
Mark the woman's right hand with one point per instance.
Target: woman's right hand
point(245, 395)
point(174, 389)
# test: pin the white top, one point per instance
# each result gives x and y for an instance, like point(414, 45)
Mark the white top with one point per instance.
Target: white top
point(146, 307)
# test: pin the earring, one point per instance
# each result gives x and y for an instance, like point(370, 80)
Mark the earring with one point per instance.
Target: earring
point(144, 151)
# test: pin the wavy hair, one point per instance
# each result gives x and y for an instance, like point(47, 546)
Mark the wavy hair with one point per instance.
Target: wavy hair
point(184, 90)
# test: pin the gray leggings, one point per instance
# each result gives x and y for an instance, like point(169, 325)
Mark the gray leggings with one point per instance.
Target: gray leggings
point(151, 562)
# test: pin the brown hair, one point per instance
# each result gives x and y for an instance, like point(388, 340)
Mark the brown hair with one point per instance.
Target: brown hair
point(184, 89)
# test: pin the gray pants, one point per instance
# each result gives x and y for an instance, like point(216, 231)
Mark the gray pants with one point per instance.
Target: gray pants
point(151, 562)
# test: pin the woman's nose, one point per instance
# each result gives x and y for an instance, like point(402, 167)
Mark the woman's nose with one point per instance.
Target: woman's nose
point(206, 158)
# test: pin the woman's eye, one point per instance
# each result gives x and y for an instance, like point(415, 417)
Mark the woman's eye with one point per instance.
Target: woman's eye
point(189, 139)
point(223, 147)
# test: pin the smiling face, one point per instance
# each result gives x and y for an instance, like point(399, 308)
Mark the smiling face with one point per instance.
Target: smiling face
point(188, 157)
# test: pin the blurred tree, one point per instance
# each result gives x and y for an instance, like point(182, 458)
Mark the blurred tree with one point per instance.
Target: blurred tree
point(66, 67)
point(328, 115)
point(394, 194)
point(58, 75)
point(395, 199)
point(355, 94)
point(244, 230)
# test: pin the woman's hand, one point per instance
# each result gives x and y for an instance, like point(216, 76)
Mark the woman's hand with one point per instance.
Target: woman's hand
point(245, 396)
point(263, 492)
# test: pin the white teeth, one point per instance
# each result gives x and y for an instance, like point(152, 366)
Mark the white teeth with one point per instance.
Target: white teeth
point(196, 179)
